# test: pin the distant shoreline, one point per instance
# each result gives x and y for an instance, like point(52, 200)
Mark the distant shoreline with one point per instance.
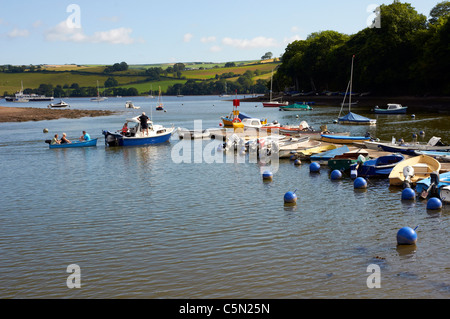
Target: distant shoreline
point(430, 104)
point(25, 114)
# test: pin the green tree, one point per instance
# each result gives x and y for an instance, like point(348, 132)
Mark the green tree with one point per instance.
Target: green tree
point(441, 10)
point(111, 82)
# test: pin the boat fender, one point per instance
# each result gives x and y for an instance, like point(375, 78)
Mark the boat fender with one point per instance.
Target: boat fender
point(237, 120)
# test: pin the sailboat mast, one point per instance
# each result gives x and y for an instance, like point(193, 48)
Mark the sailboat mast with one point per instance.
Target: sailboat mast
point(351, 84)
point(271, 82)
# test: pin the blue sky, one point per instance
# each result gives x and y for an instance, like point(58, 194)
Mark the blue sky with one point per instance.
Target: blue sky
point(146, 32)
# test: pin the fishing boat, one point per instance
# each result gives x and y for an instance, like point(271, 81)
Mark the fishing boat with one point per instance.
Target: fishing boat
point(296, 107)
point(434, 144)
point(413, 169)
point(391, 108)
point(324, 157)
point(73, 144)
point(352, 118)
point(130, 105)
point(434, 185)
point(61, 104)
point(343, 161)
point(273, 103)
point(377, 167)
point(343, 139)
point(159, 105)
point(135, 136)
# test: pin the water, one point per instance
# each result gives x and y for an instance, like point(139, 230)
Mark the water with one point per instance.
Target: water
point(140, 225)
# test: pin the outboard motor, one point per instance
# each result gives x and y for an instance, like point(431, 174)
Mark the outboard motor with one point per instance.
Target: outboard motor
point(434, 182)
point(408, 172)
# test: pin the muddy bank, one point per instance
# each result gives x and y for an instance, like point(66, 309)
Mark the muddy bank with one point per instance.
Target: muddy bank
point(428, 104)
point(24, 114)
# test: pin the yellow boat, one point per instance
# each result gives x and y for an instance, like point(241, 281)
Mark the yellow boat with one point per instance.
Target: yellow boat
point(315, 150)
point(422, 165)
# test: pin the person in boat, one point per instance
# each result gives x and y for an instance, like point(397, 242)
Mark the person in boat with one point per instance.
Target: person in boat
point(64, 139)
point(124, 129)
point(55, 140)
point(85, 137)
point(144, 122)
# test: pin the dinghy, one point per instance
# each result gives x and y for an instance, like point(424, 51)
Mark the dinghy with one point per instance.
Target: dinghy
point(410, 171)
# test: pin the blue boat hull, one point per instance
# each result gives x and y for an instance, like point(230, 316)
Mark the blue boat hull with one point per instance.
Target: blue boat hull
point(75, 144)
point(381, 166)
point(329, 155)
point(424, 184)
point(398, 111)
point(113, 139)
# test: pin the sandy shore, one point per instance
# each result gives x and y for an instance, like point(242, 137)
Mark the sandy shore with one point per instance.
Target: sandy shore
point(23, 114)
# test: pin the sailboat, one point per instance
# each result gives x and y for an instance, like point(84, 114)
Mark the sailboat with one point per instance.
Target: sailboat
point(159, 106)
point(150, 96)
point(225, 94)
point(98, 98)
point(273, 103)
point(353, 118)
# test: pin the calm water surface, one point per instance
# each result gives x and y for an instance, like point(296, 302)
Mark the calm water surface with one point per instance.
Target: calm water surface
point(140, 225)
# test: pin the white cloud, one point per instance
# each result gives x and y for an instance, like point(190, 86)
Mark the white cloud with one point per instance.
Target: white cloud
point(63, 32)
point(294, 29)
point(296, 37)
point(187, 37)
point(215, 48)
point(17, 33)
point(208, 39)
point(38, 24)
point(258, 42)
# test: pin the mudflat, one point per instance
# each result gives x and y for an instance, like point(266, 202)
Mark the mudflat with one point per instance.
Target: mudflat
point(24, 114)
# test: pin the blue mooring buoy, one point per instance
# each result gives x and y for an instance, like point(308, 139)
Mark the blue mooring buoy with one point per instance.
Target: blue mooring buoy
point(314, 167)
point(408, 194)
point(297, 162)
point(360, 183)
point(290, 197)
point(434, 203)
point(267, 175)
point(407, 236)
point(336, 174)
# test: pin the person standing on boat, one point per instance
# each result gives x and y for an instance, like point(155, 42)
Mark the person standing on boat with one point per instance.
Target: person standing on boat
point(55, 140)
point(85, 137)
point(64, 139)
point(144, 122)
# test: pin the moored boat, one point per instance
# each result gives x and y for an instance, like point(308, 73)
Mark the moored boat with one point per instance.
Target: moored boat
point(324, 157)
point(381, 166)
point(342, 139)
point(425, 187)
point(73, 144)
point(434, 144)
point(413, 169)
point(130, 105)
point(343, 161)
point(391, 108)
point(59, 105)
point(315, 150)
point(356, 119)
point(296, 107)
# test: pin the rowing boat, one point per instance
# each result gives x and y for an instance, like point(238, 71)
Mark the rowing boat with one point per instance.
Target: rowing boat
point(418, 167)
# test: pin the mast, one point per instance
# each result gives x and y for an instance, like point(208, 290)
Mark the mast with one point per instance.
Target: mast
point(271, 82)
point(351, 83)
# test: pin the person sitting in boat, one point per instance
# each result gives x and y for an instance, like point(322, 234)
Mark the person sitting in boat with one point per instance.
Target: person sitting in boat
point(125, 129)
point(144, 122)
point(64, 139)
point(55, 140)
point(85, 137)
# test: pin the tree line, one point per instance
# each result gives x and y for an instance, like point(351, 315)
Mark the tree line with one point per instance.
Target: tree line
point(407, 54)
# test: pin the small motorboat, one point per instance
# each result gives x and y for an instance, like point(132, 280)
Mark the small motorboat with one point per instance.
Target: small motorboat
point(296, 107)
point(409, 171)
point(135, 136)
point(59, 105)
point(391, 109)
point(130, 105)
point(434, 144)
point(343, 161)
point(433, 186)
point(73, 144)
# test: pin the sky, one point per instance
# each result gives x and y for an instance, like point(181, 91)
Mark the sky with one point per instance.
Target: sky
point(170, 31)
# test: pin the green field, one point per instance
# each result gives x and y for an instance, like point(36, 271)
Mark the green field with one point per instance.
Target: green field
point(88, 75)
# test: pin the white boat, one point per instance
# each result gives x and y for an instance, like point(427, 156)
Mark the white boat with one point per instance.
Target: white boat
point(130, 105)
point(98, 98)
point(257, 123)
point(392, 108)
point(20, 97)
point(60, 104)
point(434, 144)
